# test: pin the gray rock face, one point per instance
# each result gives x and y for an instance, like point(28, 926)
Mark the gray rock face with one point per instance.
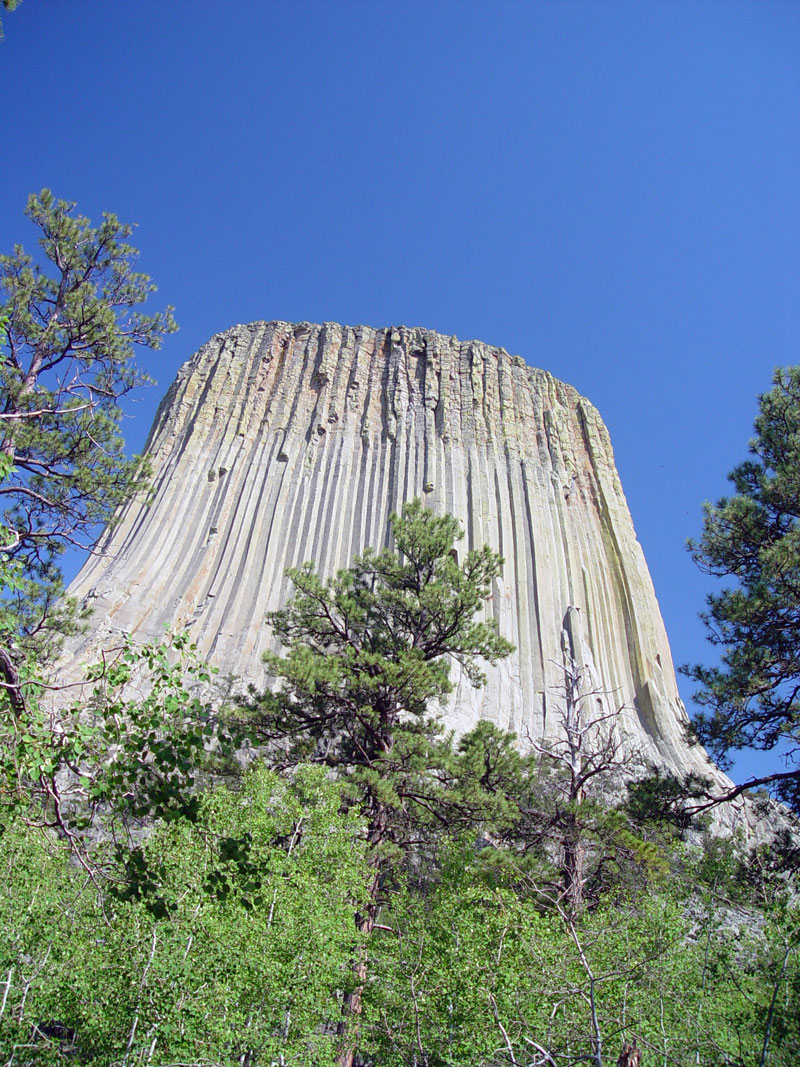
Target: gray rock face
point(280, 443)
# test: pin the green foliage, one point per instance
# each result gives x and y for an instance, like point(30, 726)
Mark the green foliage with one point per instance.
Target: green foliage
point(228, 938)
point(66, 360)
point(67, 340)
point(562, 831)
point(488, 781)
point(367, 661)
point(366, 666)
point(753, 697)
point(661, 797)
point(471, 974)
point(137, 743)
point(236, 953)
point(240, 950)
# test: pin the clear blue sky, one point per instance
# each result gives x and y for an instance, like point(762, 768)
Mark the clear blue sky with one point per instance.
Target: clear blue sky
point(607, 188)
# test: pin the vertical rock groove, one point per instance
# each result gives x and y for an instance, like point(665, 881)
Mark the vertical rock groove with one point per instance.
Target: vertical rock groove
point(279, 443)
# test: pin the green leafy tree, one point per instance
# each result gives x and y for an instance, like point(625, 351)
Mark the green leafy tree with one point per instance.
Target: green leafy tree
point(660, 799)
point(136, 743)
point(367, 663)
point(67, 340)
point(474, 973)
point(236, 946)
point(233, 951)
point(752, 698)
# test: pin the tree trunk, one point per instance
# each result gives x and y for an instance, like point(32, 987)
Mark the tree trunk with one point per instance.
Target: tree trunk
point(349, 1028)
point(574, 863)
point(11, 684)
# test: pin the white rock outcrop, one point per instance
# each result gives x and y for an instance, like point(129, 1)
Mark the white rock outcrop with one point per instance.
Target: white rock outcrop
point(280, 443)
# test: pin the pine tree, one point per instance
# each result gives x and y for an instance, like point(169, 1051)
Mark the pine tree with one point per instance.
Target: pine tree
point(366, 665)
point(753, 697)
point(67, 338)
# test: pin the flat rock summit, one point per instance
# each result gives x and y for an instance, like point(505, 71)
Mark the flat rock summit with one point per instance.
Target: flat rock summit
point(281, 443)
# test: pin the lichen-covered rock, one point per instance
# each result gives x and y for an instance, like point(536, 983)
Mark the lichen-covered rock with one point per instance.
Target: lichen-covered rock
point(280, 443)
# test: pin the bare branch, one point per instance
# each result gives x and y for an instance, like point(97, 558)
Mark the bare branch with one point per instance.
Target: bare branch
point(753, 783)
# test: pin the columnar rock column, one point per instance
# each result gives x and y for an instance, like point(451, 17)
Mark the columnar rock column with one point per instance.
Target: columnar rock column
point(280, 443)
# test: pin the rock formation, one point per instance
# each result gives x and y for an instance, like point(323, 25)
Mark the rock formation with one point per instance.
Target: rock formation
point(280, 443)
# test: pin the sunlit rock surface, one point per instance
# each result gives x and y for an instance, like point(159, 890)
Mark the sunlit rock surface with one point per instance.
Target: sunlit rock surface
point(281, 443)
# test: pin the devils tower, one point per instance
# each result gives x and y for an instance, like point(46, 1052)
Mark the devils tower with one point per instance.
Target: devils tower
point(281, 443)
